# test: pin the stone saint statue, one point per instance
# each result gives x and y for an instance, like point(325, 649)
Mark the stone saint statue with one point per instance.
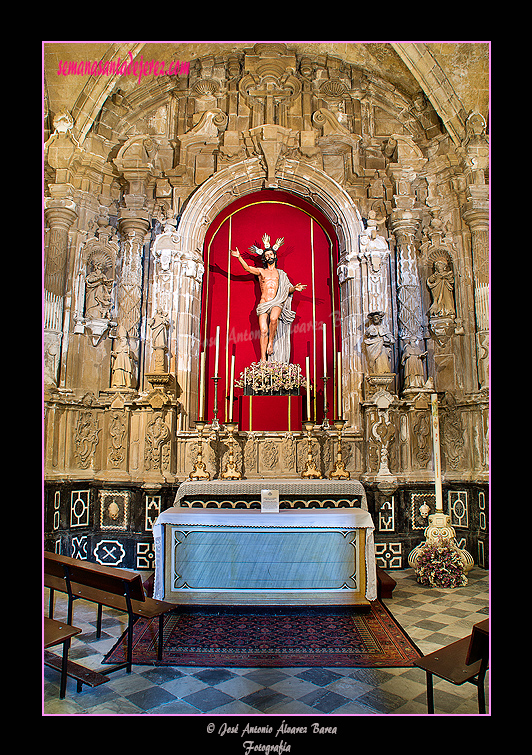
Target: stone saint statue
point(98, 289)
point(275, 307)
point(441, 285)
point(159, 325)
point(122, 371)
point(376, 339)
point(412, 364)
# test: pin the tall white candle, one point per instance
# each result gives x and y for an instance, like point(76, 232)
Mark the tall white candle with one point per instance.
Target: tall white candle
point(217, 351)
point(202, 386)
point(231, 388)
point(436, 451)
point(339, 407)
point(324, 350)
point(307, 375)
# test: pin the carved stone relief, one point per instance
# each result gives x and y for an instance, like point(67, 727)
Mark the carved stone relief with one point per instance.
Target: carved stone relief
point(117, 433)
point(452, 433)
point(156, 449)
point(86, 437)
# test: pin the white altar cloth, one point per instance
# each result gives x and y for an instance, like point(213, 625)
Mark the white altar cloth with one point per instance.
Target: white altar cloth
point(307, 488)
point(353, 518)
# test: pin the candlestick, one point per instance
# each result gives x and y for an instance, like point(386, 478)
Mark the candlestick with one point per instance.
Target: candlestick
point(217, 351)
point(436, 450)
point(311, 471)
point(199, 472)
point(231, 390)
point(231, 471)
point(202, 386)
point(215, 422)
point(339, 397)
point(307, 370)
point(324, 350)
point(339, 472)
point(325, 424)
point(439, 522)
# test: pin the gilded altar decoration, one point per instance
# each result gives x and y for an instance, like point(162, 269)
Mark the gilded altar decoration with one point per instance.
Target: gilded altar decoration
point(271, 379)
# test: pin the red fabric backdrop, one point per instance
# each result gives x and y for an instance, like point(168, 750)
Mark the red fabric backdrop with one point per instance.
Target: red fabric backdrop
point(309, 255)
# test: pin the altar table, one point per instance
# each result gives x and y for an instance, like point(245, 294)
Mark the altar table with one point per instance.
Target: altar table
point(299, 557)
point(348, 491)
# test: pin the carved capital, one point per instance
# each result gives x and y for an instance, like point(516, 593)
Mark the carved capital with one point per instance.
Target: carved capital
point(60, 213)
point(134, 221)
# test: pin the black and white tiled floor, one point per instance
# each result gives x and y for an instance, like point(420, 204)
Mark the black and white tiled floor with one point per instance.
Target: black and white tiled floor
point(432, 618)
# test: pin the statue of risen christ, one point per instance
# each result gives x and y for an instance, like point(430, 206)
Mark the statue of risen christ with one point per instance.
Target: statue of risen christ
point(274, 309)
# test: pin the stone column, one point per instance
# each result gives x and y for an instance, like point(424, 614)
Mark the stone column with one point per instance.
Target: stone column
point(133, 225)
point(476, 215)
point(410, 309)
point(352, 322)
point(59, 214)
point(406, 163)
point(187, 314)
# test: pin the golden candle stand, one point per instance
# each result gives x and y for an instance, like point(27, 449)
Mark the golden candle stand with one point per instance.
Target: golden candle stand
point(339, 472)
point(311, 471)
point(325, 426)
point(199, 472)
point(215, 422)
point(231, 472)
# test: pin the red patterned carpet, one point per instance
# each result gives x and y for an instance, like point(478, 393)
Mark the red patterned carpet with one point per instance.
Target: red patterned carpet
point(280, 638)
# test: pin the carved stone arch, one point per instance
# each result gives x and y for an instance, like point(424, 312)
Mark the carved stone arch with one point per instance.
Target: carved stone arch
point(246, 177)
point(238, 180)
point(98, 88)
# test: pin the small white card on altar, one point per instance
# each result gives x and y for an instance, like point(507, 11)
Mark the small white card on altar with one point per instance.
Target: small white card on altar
point(269, 501)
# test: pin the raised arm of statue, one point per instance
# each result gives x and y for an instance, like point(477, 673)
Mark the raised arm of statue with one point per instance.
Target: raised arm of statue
point(248, 268)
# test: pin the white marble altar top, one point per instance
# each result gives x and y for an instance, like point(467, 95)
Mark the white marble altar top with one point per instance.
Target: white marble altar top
point(355, 517)
point(284, 486)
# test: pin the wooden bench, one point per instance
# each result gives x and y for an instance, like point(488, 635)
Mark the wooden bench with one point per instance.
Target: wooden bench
point(106, 586)
point(385, 584)
point(463, 661)
point(57, 633)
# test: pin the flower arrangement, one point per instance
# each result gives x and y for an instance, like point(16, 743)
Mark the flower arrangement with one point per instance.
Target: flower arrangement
point(439, 564)
point(271, 378)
